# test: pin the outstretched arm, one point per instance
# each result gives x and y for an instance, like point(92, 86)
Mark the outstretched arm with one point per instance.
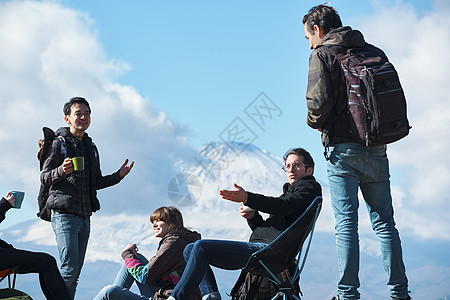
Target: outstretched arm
point(109, 180)
point(5, 204)
point(239, 195)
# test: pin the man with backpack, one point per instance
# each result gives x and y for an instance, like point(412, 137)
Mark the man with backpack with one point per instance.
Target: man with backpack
point(72, 196)
point(346, 114)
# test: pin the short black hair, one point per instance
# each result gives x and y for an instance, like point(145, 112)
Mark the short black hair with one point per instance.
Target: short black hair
point(72, 101)
point(307, 158)
point(324, 16)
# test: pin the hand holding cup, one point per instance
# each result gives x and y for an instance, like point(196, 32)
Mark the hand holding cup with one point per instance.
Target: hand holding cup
point(18, 199)
point(246, 212)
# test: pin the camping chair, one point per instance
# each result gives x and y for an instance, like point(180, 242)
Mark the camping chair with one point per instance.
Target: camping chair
point(281, 252)
point(7, 273)
point(11, 292)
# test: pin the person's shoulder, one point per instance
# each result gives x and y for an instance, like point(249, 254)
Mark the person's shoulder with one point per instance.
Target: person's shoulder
point(308, 178)
point(180, 238)
point(175, 242)
point(183, 235)
point(317, 53)
point(171, 237)
point(319, 57)
point(62, 131)
point(306, 181)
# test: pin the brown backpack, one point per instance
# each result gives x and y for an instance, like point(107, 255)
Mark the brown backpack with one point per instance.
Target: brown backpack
point(253, 287)
point(376, 101)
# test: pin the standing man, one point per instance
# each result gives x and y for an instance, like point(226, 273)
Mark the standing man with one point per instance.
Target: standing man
point(73, 194)
point(350, 163)
point(298, 193)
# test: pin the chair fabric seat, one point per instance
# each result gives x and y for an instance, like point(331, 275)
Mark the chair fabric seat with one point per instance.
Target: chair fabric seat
point(285, 250)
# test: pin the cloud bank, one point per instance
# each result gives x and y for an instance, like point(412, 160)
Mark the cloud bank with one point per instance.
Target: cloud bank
point(416, 42)
point(51, 53)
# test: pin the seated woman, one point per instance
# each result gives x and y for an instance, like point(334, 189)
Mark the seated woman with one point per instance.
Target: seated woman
point(157, 277)
point(52, 284)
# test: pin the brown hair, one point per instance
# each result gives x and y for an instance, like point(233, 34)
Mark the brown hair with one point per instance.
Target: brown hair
point(307, 158)
point(169, 214)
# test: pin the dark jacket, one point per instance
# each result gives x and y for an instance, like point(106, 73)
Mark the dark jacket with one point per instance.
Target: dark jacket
point(283, 210)
point(165, 268)
point(65, 193)
point(4, 207)
point(327, 93)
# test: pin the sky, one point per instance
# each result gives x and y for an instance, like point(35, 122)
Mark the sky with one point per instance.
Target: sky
point(165, 78)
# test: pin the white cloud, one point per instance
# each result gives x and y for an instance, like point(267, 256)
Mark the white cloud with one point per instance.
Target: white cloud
point(51, 53)
point(417, 42)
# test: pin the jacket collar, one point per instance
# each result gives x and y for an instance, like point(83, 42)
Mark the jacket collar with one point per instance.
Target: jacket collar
point(345, 37)
point(287, 187)
point(65, 132)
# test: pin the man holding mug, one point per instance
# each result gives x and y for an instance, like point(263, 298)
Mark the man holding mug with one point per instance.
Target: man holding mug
point(73, 195)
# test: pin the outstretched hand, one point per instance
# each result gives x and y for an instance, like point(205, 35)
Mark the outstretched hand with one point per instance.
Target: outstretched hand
point(125, 169)
point(239, 195)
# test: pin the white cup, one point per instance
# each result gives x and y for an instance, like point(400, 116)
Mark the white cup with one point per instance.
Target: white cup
point(246, 208)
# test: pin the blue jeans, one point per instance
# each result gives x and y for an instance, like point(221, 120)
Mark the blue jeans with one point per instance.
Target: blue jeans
point(202, 254)
point(120, 288)
point(352, 166)
point(72, 235)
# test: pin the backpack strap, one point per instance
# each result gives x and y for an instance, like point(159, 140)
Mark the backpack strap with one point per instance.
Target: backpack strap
point(45, 145)
point(63, 149)
point(327, 130)
point(94, 148)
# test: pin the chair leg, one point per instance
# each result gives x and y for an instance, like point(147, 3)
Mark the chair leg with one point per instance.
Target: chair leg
point(277, 295)
point(285, 297)
point(14, 280)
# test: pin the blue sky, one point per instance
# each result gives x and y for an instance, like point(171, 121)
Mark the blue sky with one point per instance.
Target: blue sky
point(203, 62)
point(173, 76)
point(164, 78)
